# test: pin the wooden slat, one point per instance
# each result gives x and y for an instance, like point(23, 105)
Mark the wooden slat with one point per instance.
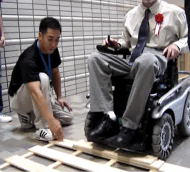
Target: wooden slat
point(7, 164)
point(178, 64)
point(77, 153)
point(182, 76)
point(72, 160)
point(187, 62)
point(4, 166)
point(143, 161)
point(111, 162)
point(154, 170)
point(166, 167)
point(156, 165)
point(138, 160)
point(28, 165)
point(24, 156)
point(67, 143)
point(55, 164)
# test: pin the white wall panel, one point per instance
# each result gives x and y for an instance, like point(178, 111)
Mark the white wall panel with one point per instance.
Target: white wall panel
point(85, 23)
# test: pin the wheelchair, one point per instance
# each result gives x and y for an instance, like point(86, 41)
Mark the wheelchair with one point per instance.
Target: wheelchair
point(168, 106)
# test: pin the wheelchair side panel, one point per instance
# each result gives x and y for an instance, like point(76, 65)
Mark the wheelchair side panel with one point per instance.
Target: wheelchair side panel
point(175, 103)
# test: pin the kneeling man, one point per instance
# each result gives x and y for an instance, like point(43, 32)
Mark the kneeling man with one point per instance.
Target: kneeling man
point(34, 76)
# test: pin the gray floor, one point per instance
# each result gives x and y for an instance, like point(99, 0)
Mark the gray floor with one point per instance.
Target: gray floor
point(16, 142)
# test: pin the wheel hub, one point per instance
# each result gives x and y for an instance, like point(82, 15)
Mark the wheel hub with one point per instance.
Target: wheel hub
point(188, 114)
point(165, 136)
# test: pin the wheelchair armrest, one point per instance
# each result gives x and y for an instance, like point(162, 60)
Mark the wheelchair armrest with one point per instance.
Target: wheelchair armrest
point(120, 51)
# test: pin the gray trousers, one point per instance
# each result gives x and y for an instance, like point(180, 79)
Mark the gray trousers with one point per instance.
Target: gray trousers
point(102, 67)
point(22, 102)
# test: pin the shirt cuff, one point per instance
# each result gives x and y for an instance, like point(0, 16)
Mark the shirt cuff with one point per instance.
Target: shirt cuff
point(179, 45)
point(122, 43)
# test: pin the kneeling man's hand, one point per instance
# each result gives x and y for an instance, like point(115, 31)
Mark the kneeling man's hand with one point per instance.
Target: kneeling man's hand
point(56, 129)
point(64, 103)
point(171, 52)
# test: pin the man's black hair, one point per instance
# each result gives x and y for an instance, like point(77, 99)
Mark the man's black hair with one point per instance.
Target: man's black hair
point(49, 23)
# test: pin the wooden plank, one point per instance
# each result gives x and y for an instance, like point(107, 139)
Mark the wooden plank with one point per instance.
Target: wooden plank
point(187, 62)
point(111, 162)
point(67, 143)
point(72, 160)
point(77, 153)
point(7, 164)
point(56, 164)
point(178, 64)
point(4, 166)
point(24, 156)
point(27, 155)
point(166, 167)
point(30, 153)
point(182, 76)
point(154, 170)
point(156, 165)
point(138, 160)
point(28, 165)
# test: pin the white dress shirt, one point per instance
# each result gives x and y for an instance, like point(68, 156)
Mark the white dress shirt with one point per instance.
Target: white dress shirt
point(173, 28)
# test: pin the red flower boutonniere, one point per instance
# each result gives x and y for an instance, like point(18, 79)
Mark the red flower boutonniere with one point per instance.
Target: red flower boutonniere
point(159, 19)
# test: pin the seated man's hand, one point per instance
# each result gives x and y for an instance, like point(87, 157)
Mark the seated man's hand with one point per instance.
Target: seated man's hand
point(112, 43)
point(171, 52)
point(64, 103)
point(56, 129)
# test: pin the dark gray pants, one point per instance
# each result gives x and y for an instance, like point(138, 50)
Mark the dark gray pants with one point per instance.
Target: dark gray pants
point(144, 71)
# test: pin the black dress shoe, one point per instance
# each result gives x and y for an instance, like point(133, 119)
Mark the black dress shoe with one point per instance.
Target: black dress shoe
point(105, 129)
point(124, 139)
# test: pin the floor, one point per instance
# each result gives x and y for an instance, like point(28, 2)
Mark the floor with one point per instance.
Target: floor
point(13, 141)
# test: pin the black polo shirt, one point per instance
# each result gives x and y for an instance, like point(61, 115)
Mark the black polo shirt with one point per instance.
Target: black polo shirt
point(29, 65)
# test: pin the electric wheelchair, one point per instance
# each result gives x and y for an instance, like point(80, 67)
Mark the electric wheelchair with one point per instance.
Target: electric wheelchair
point(168, 106)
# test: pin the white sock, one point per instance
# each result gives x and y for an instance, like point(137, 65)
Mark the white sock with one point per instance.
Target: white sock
point(112, 115)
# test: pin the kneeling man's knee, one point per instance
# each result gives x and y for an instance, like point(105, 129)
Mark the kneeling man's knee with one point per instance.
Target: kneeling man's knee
point(44, 80)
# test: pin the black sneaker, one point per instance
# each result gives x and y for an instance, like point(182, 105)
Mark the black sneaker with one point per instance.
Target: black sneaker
point(123, 140)
point(105, 129)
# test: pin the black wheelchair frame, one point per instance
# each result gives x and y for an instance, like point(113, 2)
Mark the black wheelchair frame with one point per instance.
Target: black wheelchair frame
point(156, 131)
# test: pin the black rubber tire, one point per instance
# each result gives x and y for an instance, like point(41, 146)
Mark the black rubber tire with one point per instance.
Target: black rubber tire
point(184, 126)
point(91, 121)
point(162, 137)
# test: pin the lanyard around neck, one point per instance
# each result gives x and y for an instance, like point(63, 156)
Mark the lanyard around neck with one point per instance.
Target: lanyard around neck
point(48, 68)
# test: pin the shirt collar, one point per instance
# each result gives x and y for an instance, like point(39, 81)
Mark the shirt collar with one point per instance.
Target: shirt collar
point(154, 8)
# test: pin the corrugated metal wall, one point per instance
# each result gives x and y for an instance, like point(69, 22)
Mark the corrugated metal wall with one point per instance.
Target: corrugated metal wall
point(85, 23)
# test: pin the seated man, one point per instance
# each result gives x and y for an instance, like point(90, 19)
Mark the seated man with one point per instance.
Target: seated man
point(156, 32)
point(34, 75)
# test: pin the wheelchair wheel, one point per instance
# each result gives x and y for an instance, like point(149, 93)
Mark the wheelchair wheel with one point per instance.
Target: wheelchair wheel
point(162, 138)
point(91, 121)
point(184, 126)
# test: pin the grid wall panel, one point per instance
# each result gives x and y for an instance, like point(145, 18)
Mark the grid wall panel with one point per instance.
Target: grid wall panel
point(85, 23)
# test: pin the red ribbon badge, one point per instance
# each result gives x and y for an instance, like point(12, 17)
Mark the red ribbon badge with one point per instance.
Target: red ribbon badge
point(159, 19)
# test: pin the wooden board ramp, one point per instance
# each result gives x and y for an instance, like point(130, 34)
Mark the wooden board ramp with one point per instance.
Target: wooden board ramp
point(112, 156)
point(182, 76)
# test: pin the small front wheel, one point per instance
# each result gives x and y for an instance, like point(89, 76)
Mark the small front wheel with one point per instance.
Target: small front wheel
point(162, 137)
